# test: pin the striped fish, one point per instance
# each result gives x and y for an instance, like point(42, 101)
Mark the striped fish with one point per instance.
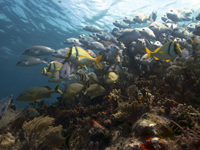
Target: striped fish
point(166, 52)
point(80, 57)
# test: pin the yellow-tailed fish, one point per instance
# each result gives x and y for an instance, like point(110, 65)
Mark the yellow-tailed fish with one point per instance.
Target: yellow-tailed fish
point(36, 93)
point(54, 66)
point(166, 52)
point(44, 72)
point(80, 57)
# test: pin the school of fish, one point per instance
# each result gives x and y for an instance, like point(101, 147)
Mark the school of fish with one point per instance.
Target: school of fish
point(106, 57)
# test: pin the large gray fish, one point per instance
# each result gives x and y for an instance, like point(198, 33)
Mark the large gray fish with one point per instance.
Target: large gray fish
point(129, 20)
point(179, 14)
point(96, 46)
point(72, 41)
point(140, 18)
point(86, 39)
point(60, 53)
point(121, 24)
point(93, 28)
point(180, 32)
point(159, 28)
point(148, 33)
point(191, 26)
point(4, 104)
point(38, 51)
point(30, 61)
point(129, 35)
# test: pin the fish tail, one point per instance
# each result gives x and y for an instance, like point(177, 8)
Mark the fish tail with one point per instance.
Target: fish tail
point(97, 61)
point(148, 53)
point(57, 89)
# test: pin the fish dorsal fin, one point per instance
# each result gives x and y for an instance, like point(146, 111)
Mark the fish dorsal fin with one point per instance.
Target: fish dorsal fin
point(47, 87)
point(34, 94)
point(38, 100)
point(69, 51)
point(90, 54)
point(157, 49)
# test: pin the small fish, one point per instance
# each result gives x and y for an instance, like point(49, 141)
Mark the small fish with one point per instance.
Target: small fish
point(93, 28)
point(121, 24)
point(96, 46)
point(140, 18)
point(84, 78)
point(129, 35)
point(72, 41)
point(93, 77)
point(111, 78)
point(148, 33)
point(84, 39)
point(44, 72)
point(36, 93)
point(54, 66)
point(30, 61)
point(96, 124)
point(73, 90)
point(30, 112)
point(166, 52)
point(60, 53)
point(159, 28)
point(153, 16)
point(129, 20)
point(95, 90)
point(178, 70)
point(38, 51)
point(80, 57)
point(180, 32)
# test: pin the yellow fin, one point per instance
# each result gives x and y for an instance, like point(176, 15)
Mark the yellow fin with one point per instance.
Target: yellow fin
point(156, 58)
point(97, 61)
point(148, 53)
point(158, 49)
point(37, 100)
point(167, 60)
point(34, 94)
point(67, 55)
point(57, 89)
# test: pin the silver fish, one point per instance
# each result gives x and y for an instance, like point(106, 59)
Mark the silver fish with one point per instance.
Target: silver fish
point(38, 51)
point(30, 61)
point(93, 28)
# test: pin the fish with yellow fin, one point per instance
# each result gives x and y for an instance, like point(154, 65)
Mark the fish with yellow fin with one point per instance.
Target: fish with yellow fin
point(80, 57)
point(166, 52)
point(36, 93)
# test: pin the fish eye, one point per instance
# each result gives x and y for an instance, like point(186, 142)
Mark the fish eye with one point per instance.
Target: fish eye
point(55, 52)
point(171, 10)
point(143, 29)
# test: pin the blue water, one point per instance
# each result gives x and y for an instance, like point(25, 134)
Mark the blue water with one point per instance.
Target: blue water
point(25, 23)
